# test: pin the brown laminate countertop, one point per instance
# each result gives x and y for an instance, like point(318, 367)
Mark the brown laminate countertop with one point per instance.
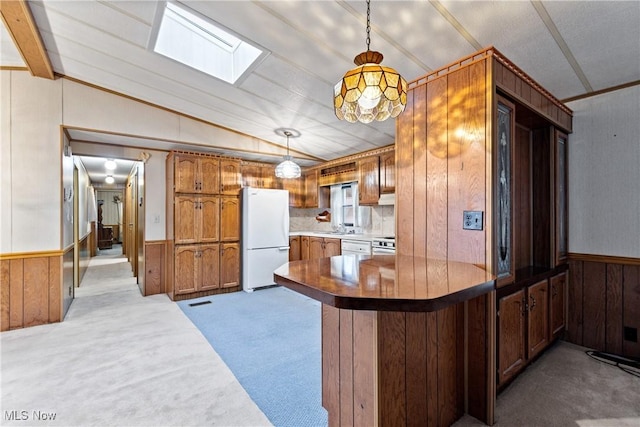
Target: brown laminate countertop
point(385, 282)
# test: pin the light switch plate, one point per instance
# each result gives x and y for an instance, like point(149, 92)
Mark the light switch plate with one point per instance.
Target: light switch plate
point(472, 220)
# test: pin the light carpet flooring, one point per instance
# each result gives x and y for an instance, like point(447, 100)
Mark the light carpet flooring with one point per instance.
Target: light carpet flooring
point(119, 359)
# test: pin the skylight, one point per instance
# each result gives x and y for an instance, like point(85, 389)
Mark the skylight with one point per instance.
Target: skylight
point(200, 43)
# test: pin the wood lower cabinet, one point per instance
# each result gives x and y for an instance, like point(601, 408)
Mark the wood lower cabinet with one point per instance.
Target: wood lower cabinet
point(523, 323)
point(294, 248)
point(322, 247)
point(230, 265)
point(304, 247)
point(538, 318)
point(511, 334)
point(197, 268)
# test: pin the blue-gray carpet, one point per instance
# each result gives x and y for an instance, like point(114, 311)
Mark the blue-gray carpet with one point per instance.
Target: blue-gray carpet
point(271, 341)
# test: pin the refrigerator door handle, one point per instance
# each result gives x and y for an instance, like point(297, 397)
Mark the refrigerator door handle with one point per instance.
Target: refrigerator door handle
point(283, 248)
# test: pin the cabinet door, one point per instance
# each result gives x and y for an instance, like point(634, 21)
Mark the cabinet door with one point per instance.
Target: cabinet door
point(186, 269)
point(316, 247)
point(251, 176)
point(268, 176)
point(294, 187)
point(369, 180)
point(557, 315)
point(209, 210)
point(294, 248)
point(229, 219)
point(388, 172)
point(304, 247)
point(230, 265)
point(538, 322)
point(209, 268)
point(331, 247)
point(230, 177)
point(311, 189)
point(185, 174)
point(511, 330)
point(186, 217)
point(209, 175)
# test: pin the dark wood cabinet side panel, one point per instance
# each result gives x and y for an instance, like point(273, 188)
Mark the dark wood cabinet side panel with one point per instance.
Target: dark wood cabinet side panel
point(346, 367)
point(392, 356)
point(614, 318)
point(631, 317)
point(331, 363)
point(416, 364)
point(574, 304)
point(594, 307)
point(541, 197)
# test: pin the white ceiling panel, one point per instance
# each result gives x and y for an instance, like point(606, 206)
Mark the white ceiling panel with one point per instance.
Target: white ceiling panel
point(570, 47)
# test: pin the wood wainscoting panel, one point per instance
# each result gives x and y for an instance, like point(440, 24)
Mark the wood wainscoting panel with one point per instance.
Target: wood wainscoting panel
point(594, 304)
point(603, 300)
point(630, 316)
point(155, 260)
point(331, 363)
point(31, 289)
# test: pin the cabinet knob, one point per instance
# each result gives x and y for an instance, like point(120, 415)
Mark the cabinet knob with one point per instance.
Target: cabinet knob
point(533, 302)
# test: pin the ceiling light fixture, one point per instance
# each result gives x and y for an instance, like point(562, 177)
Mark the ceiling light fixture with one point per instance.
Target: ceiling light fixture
point(287, 169)
point(110, 164)
point(109, 179)
point(370, 91)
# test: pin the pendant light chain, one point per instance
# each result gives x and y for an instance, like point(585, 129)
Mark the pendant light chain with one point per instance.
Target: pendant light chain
point(368, 24)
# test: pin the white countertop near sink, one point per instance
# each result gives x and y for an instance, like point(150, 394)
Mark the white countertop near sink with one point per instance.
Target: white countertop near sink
point(342, 236)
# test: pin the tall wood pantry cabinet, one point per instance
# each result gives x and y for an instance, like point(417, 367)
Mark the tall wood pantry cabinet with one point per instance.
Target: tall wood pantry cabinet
point(480, 135)
point(203, 224)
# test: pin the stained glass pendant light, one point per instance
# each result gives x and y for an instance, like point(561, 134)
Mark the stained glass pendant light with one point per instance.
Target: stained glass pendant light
point(287, 169)
point(370, 91)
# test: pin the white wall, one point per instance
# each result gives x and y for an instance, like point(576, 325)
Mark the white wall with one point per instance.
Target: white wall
point(31, 188)
point(604, 174)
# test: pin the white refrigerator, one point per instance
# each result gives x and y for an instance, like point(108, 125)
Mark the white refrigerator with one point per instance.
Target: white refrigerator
point(265, 235)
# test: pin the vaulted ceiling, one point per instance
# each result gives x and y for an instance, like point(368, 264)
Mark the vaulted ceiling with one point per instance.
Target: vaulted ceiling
point(572, 48)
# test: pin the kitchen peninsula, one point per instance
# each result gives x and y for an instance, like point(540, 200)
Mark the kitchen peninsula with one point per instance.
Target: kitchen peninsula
point(395, 337)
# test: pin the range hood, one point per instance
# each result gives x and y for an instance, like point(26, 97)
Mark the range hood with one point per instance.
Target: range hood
point(387, 199)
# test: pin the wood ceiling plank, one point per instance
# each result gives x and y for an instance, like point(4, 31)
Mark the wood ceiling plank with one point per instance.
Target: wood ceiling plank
point(24, 32)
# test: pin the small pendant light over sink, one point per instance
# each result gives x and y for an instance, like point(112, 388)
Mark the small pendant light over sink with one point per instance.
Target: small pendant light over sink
point(287, 169)
point(370, 91)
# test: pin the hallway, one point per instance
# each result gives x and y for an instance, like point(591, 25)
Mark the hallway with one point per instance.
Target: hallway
point(118, 359)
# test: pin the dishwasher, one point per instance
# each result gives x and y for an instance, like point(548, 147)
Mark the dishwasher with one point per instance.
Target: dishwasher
point(355, 247)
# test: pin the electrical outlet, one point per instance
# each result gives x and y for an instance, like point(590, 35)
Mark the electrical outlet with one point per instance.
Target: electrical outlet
point(472, 220)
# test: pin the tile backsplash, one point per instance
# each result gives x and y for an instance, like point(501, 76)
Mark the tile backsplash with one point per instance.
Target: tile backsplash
point(381, 222)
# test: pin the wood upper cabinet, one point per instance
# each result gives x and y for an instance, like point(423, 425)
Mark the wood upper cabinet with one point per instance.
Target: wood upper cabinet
point(557, 304)
point(295, 187)
point(258, 175)
point(230, 177)
point(511, 334)
point(229, 219)
point(196, 268)
point(230, 265)
point(196, 174)
point(322, 247)
point(388, 172)
point(369, 180)
point(294, 248)
point(196, 219)
point(311, 189)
